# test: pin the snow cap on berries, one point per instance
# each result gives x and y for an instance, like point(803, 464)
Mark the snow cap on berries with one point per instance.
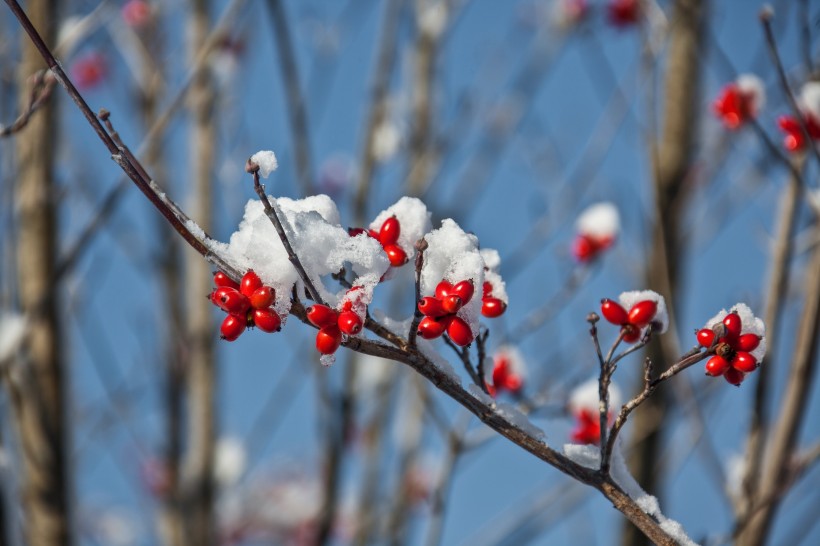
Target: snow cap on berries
point(584, 397)
point(810, 99)
point(492, 262)
point(661, 319)
point(750, 325)
point(752, 87)
point(266, 161)
point(414, 220)
point(600, 221)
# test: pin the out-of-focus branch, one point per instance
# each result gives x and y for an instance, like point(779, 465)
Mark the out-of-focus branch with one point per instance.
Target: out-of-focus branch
point(297, 110)
point(39, 94)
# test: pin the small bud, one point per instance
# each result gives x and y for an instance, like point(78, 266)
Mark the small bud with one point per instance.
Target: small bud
point(251, 167)
point(593, 317)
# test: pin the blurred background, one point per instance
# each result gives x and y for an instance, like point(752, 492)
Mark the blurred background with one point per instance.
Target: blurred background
point(125, 420)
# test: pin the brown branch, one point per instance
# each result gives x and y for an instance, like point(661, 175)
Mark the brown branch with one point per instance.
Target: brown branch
point(43, 85)
point(421, 246)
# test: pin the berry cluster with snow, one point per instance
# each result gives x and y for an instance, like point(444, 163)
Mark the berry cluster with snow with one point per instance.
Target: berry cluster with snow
point(596, 229)
point(584, 406)
point(740, 351)
point(638, 312)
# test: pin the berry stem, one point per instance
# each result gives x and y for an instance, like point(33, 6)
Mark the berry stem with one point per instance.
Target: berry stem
point(421, 246)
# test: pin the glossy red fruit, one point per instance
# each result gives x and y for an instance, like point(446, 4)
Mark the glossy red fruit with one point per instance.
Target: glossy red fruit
point(705, 337)
point(250, 282)
point(583, 248)
point(487, 289)
point(643, 312)
point(322, 315)
point(460, 332)
point(747, 342)
point(631, 334)
point(733, 325)
point(232, 327)
point(431, 307)
point(389, 233)
point(267, 320)
point(231, 301)
point(613, 312)
point(733, 376)
point(350, 323)
point(222, 279)
point(353, 231)
point(328, 339)
point(717, 365)
point(443, 289)
point(464, 290)
point(430, 328)
point(218, 292)
point(263, 297)
point(396, 255)
point(492, 307)
point(744, 362)
point(452, 303)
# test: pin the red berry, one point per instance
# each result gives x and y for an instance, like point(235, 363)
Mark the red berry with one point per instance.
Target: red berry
point(353, 231)
point(460, 332)
point(328, 339)
point(222, 279)
point(492, 307)
point(744, 362)
point(733, 326)
point(705, 337)
point(322, 315)
point(390, 231)
point(643, 312)
point(231, 301)
point(431, 307)
point(613, 312)
point(396, 255)
point(443, 289)
point(263, 297)
point(583, 248)
point(747, 342)
point(631, 333)
point(430, 328)
point(464, 290)
point(487, 289)
point(452, 303)
point(267, 320)
point(232, 327)
point(250, 282)
point(217, 293)
point(717, 365)
point(733, 376)
point(350, 323)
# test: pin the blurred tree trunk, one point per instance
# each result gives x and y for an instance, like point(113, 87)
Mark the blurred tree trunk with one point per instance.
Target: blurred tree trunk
point(198, 486)
point(671, 159)
point(41, 412)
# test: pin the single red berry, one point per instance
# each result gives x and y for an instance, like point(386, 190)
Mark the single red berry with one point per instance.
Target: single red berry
point(460, 332)
point(492, 307)
point(733, 376)
point(217, 293)
point(487, 289)
point(584, 248)
point(267, 320)
point(744, 362)
point(232, 327)
point(430, 328)
point(464, 290)
point(328, 339)
point(717, 365)
point(389, 233)
point(431, 307)
point(705, 337)
point(631, 333)
point(443, 289)
point(733, 326)
point(231, 301)
point(643, 312)
point(747, 342)
point(222, 279)
point(350, 323)
point(322, 315)
point(250, 282)
point(263, 297)
point(396, 255)
point(613, 312)
point(452, 303)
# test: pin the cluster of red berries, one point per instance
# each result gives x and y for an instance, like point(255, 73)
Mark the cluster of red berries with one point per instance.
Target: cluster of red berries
point(440, 312)
point(332, 324)
point(491, 307)
point(735, 105)
point(247, 303)
point(587, 247)
point(623, 13)
point(587, 427)
point(733, 358)
point(388, 236)
point(795, 140)
point(505, 376)
point(632, 322)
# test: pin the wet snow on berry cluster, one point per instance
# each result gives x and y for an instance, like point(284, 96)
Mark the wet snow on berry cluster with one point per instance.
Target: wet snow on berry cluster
point(600, 221)
point(750, 325)
point(661, 319)
point(585, 397)
point(589, 457)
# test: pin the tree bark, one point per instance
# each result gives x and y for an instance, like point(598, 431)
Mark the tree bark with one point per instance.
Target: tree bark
point(40, 418)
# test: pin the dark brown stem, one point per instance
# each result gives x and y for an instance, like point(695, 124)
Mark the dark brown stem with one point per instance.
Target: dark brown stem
point(421, 246)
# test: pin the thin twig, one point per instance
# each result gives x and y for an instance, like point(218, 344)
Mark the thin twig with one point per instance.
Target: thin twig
point(40, 94)
point(421, 246)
